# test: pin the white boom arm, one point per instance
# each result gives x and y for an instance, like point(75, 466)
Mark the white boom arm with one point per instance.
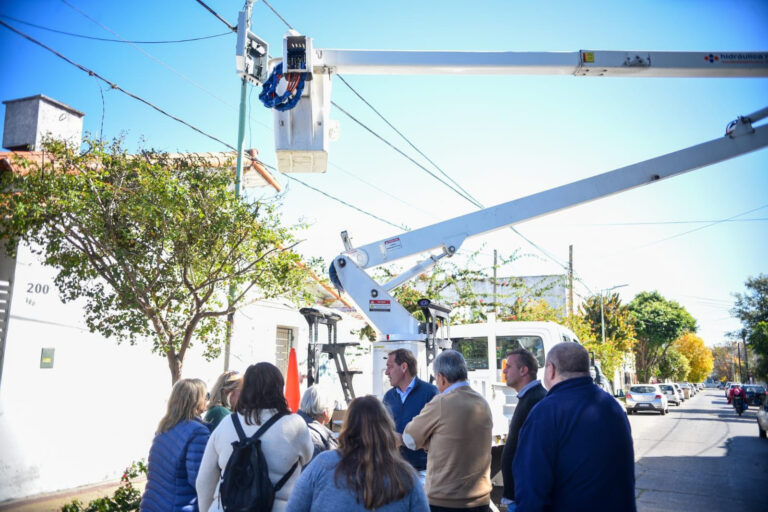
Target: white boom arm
point(396, 324)
point(303, 133)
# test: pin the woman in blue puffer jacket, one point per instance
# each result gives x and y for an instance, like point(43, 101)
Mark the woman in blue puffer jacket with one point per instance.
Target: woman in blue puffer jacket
point(177, 450)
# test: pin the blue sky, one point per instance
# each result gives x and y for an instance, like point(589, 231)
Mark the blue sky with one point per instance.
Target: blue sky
point(499, 137)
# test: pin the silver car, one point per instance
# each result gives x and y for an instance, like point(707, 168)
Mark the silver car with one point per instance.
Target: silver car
point(762, 418)
point(673, 396)
point(646, 397)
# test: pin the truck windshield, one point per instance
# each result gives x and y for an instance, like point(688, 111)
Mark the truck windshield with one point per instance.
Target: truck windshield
point(475, 349)
point(505, 344)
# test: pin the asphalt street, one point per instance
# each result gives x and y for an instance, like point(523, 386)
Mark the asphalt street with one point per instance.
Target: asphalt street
point(700, 456)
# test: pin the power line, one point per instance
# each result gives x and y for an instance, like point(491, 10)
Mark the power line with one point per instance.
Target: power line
point(108, 40)
point(670, 222)
point(229, 26)
point(277, 14)
point(406, 139)
point(404, 228)
point(462, 193)
point(167, 66)
point(177, 119)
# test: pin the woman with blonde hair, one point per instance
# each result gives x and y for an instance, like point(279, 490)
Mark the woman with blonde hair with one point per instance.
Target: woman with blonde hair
point(285, 442)
point(367, 472)
point(223, 397)
point(177, 450)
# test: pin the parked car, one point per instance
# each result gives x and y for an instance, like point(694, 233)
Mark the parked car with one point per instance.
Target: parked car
point(672, 394)
point(694, 390)
point(721, 385)
point(684, 386)
point(646, 397)
point(755, 393)
point(679, 390)
point(762, 418)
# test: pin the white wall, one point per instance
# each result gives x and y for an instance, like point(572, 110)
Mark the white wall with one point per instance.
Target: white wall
point(84, 420)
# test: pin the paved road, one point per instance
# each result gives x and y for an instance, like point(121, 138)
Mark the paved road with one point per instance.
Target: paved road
point(700, 457)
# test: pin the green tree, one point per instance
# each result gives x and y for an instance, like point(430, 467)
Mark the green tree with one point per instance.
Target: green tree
point(673, 365)
point(752, 309)
point(151, 243)
point(619, 331)
point(658, 323)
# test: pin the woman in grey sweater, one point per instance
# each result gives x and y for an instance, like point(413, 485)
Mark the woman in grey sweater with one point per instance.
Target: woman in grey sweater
point(367, 472)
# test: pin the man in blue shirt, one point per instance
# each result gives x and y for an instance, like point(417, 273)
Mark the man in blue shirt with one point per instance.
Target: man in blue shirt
point(406, 399)
point(575, 449)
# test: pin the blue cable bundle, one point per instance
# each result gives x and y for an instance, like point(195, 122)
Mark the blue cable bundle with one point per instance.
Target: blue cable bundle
point(290, 98)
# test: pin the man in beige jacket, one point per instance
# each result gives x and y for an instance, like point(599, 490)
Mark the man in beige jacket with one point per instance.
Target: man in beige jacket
point(455, 429)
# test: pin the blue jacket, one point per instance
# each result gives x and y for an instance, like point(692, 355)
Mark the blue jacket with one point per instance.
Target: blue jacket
point(575, 453)
point(403, 413)
point(174, 460)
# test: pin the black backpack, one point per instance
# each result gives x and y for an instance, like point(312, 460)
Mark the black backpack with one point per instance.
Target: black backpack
point(245, 486)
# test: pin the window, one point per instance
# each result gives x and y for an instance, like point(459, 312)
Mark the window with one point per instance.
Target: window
point(505, 344)
point(642, 389)
point(474, 350)
point(283, 345)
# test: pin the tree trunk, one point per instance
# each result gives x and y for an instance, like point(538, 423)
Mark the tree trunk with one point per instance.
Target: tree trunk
point(175, 365)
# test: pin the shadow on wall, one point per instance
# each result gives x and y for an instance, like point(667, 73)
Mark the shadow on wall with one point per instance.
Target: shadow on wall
point(734, 482)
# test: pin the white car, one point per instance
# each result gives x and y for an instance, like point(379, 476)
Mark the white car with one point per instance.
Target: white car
point(672, 395)
point(646, 397)
point(762, 418)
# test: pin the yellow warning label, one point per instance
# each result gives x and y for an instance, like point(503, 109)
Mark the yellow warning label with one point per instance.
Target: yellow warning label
point(588, 56)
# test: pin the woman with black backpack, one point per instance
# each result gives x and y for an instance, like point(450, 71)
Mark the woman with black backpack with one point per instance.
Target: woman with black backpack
point(255, 455)
point(367, 472)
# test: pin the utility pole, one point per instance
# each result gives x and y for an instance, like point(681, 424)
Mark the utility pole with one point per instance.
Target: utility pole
point(495, 303)
point(746, 353)
point(738, 353)
point(570, 281)
point(238, 181)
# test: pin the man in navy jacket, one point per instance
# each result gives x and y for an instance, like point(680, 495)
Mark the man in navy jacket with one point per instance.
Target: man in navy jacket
point(575, 449)
point(406, 399)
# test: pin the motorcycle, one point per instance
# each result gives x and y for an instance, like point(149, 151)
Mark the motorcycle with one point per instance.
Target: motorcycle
point(738, 404)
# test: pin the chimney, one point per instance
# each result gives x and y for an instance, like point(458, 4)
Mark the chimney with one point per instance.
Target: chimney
point(29, 120)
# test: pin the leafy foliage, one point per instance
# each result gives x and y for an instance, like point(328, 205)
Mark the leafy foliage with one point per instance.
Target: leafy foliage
point(752, 309)
point(698, 355)
point(619, 330)
point(658, 323)
point(152, 243)
point(125, 498)
point(673, 365)
point(723, 363)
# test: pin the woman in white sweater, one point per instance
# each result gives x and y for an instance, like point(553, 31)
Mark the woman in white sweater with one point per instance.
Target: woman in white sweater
point(283, 444)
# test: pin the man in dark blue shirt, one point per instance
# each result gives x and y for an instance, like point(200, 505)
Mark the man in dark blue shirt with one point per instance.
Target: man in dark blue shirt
point(406, 399)
point(575, 449)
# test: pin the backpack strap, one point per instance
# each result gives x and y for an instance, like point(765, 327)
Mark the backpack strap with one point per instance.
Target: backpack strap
point(280, 483)
point(241, 433)
point(271, 421)
point(323, 437)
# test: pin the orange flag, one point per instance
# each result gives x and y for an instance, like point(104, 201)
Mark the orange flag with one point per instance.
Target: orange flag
point(292, 394)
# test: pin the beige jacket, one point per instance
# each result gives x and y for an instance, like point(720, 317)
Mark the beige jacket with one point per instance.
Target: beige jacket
point(455, 429)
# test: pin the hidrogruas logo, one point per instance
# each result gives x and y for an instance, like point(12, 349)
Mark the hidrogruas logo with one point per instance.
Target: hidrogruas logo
point(711, 58)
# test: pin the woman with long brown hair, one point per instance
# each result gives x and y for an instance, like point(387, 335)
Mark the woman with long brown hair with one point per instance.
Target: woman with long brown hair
point(286, 443)
point(367, 472)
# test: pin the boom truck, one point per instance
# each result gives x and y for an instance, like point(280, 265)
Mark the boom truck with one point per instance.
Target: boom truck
point(298, 87)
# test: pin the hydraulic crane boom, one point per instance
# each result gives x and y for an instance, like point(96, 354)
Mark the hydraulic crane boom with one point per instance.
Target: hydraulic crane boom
point(395, 323)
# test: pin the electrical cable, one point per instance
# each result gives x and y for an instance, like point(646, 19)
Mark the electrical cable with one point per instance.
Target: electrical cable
point(108, 40)
point(461, 192)
point(277, 14)
point(406, 139)
point(152, 57)
point(229, 26)
point(179, 120)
